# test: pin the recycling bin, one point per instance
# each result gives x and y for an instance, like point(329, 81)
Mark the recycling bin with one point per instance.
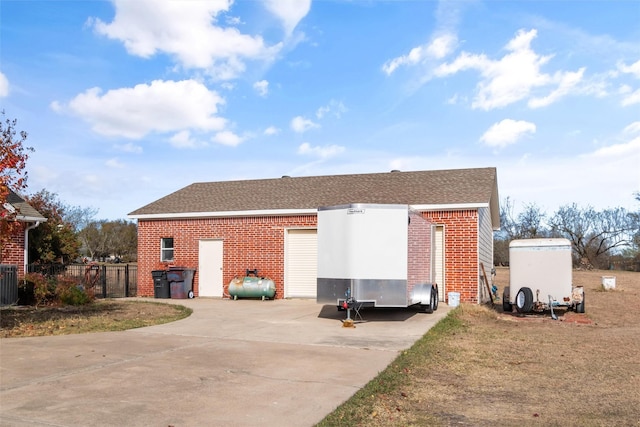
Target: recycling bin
point(180, 282)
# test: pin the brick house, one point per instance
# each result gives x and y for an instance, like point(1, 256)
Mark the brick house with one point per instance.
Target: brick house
point(15, 251)
point(224, 228)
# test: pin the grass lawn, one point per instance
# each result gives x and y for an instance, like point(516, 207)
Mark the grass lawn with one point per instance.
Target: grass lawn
point(482, 367)
point(99, 316)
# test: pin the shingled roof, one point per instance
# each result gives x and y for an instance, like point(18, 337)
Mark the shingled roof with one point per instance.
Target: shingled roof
point(24, 211)
point(456, 187)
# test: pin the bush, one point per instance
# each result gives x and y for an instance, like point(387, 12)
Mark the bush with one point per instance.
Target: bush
point(39, 289)
point(71, 293)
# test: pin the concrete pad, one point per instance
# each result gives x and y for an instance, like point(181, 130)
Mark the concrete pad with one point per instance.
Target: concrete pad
point(231, 363)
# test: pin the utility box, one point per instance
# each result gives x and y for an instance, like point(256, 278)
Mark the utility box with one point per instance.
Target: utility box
point(540, 276)
point(375, 255)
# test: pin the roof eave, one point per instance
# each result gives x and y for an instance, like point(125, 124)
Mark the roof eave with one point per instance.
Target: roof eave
point(224, 214)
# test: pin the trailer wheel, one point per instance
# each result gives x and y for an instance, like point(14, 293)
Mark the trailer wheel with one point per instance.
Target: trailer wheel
point(434, 295)
point(506, 302)
point(524, 300)
point(580, 306)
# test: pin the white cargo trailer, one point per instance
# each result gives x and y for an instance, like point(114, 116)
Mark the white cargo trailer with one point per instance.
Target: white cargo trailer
point(540, 277)
point(375, 255)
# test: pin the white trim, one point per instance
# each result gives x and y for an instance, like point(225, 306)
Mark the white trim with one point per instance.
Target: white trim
point(288, 212)
point(447, 207)
point(223, 214)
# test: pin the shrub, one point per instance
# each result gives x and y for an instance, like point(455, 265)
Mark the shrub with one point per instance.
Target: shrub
point(39, 289)
point(71, 293)
point(42, 288)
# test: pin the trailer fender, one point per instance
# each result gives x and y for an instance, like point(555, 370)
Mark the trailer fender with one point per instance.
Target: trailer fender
point(426, 295)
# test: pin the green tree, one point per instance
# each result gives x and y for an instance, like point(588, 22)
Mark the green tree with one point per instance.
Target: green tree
point(54, 241)
point(104, 238)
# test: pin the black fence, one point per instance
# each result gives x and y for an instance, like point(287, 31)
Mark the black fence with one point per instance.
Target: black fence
point(8, 284)
point(107, 281)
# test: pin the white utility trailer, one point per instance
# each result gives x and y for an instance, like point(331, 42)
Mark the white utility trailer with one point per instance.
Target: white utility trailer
point(540, 277)
point(375, 255)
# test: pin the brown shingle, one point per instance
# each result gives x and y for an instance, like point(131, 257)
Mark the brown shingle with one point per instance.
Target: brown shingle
point(25, 212)
point(442, 187)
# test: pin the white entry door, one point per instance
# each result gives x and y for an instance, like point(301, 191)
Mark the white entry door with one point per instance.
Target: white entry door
point(439, 261)
point(210, 268)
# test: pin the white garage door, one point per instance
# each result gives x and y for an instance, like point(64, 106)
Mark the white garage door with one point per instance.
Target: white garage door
point(301, 263)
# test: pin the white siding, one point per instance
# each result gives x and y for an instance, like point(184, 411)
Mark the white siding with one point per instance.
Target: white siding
point(485, 250)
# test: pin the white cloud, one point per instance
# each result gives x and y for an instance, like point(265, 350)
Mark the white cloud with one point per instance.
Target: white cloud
point(507, 132)
point(290, 12)
point(183, 139)
point(162, 106)
point(300, 124)
point(629, 149)
point(630, 69)
point(438, 48)
point(129, 148)
point(336, 108)
point(4, 85)
point(633, 128)
point(514, 76)
point(115, 163)
point(186, 31)
point(262, 87)
point(567, 82)
point(271, 130)
point(321, 152)
point(228, 138)
point(630, 97)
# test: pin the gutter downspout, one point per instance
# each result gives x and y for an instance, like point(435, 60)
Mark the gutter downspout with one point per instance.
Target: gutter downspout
point(26, 244)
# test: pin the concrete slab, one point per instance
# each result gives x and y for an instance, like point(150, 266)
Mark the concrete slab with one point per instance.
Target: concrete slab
point(231, 363)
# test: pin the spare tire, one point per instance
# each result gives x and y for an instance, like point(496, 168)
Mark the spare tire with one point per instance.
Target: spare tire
point(524, 300)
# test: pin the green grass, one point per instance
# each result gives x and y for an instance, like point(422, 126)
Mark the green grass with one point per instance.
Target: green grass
point(357, 410)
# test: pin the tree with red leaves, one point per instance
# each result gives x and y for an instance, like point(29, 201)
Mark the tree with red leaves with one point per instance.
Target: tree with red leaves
point(13, 176)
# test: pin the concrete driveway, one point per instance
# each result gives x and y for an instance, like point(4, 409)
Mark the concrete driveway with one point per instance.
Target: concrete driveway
point(231, 363)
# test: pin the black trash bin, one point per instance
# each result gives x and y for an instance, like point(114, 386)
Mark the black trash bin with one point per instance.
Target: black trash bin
point(160, 284)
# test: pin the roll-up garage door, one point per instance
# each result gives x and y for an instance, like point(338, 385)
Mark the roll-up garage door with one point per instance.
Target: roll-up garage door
point(301, 263)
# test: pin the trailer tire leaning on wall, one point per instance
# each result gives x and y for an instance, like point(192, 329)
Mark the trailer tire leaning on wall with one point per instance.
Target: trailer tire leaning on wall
point(506, 300)
point(524, 300)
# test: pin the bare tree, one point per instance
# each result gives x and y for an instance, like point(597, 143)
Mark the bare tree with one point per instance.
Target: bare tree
point(594, 234)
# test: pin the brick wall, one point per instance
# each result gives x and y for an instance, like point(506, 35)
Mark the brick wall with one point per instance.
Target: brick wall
point(13, 251)
point(249, 243)
point(419, 241)
point(460, 251)
point(258, 242)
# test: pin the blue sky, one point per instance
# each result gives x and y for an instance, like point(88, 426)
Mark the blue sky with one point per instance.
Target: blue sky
point(128, 101)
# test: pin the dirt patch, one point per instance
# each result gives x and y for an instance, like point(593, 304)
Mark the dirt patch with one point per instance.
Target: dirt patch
point(505, 369)
point(100, 316)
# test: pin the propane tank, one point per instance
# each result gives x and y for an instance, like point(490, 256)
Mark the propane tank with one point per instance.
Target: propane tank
point(252, 287)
